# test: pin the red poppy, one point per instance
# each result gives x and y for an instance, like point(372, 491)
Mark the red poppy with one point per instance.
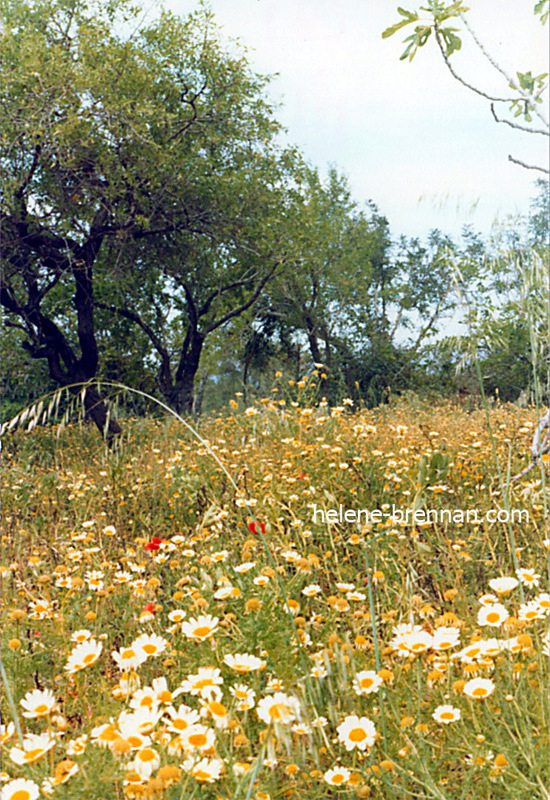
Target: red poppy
point(154, 544)
point(148, 607)
point(252, 527)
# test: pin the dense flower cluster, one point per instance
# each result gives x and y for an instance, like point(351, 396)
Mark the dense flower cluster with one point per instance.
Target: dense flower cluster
point(154, 642)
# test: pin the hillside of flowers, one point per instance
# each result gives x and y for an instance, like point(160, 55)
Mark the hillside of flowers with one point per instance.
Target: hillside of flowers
point(183, 617)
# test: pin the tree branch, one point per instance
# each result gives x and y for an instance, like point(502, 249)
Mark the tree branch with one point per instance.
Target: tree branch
point(510, 81)
point(237, 311)
point(516, 125)
point(461, 80)
point(235, 285)
point(528, 166)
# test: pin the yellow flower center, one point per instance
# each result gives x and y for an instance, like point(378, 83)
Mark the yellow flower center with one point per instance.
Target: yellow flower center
point(279, 711)
point(134, 741)
point(357, 735)
point(198, 739)
point(202, 631)
point(21, 794)
point(34, 755)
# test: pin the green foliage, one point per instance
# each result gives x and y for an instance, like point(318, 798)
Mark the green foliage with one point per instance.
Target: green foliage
point(528, 88)
point(440, 13)
point(143, 181)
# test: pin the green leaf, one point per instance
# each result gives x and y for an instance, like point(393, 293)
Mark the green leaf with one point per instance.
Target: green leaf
point(410, 17)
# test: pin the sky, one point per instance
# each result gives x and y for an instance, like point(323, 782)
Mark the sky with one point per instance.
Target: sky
point(407, 136)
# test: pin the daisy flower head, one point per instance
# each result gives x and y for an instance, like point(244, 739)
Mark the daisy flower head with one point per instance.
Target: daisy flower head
point(83, 655)
point(134, 729)
point(38, 703)
point(203, 682)
point(445, 638)
point(279, 708)
point(311, 590)
point(129, 658)
point(6, 732)
point(494, 615)
point(227, 591)
point(367, 682)
point(446, 714)
point(528, 577)
point(244, 568)
point(144, 698)
point(200, 628)
point(357, 732)
point(530, 611)
point(242, 663)
point(543, 601)
point(75, 747)
point(487, 599)
point(150, 644)
point(33, 748)
point(479, 688)
point(215, 711)
point(178, 720)
point(301, 729)
point(81, 636)
point(503, 585)
point(162, 692)
point(177, 615)
point(94, 579)
point(198, 737)
point(145, 762)
point(207, 770)
point(413, 643)
point(244, 695)
point(337, 776)
point(20, 789)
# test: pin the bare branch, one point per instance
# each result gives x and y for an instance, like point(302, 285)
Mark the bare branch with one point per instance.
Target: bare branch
point(461, 80)
point(237, 311)
point(525, 95)
point(516, 125)
point(528, 166)
point(134, 317)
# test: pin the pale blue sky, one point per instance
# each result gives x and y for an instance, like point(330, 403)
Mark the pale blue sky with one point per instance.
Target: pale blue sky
point(408, 136)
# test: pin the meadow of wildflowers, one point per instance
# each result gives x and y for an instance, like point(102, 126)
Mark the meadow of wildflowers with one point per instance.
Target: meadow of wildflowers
point(172, 629)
